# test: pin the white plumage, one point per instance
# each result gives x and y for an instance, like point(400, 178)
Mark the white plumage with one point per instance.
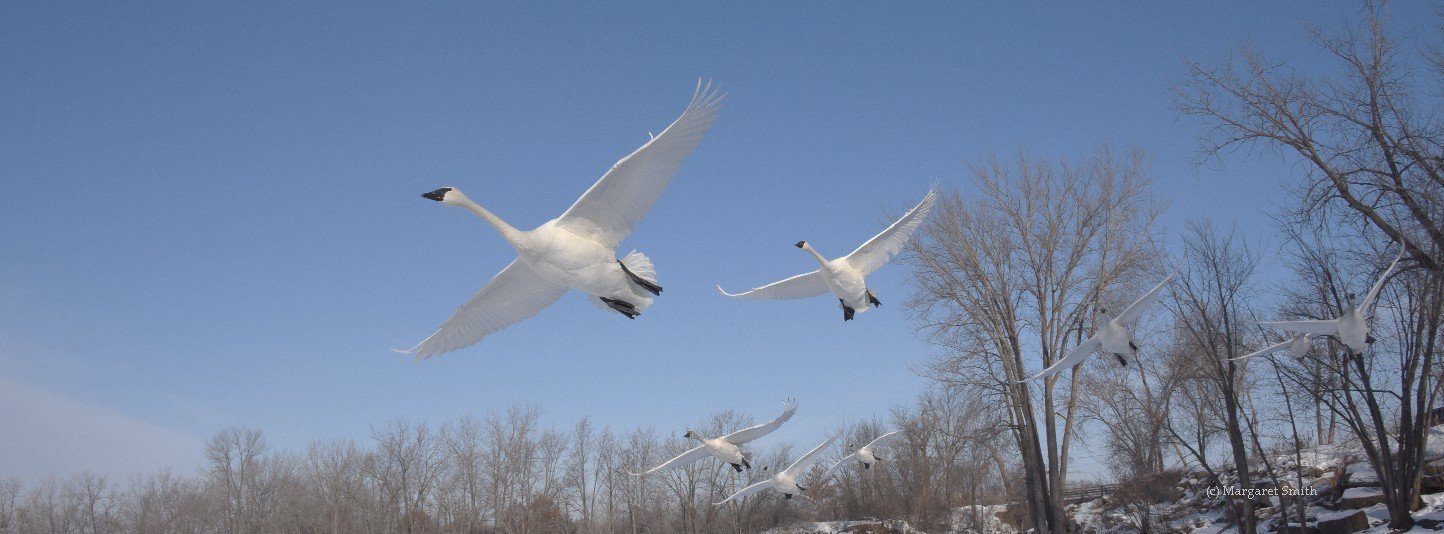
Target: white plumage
point(865, 455)
point(578, 249)
point(727, 448)
point(785, 481)
point(1352, 329)
point(1113, 337)
point(846, 277)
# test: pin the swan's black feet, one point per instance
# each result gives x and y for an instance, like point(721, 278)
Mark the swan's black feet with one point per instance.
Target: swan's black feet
point(1369, 339)
point(646, 284)
point(846, 311)
point(1132, 347)
point(872, 299)
point(738, 467)
point(867, 466)
point(788, 496)
point(623, 307)
point(1121, 360)
point(745, 464)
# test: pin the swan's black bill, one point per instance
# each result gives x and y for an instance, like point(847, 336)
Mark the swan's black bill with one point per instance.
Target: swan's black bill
point(436, 195)
point(800, 244)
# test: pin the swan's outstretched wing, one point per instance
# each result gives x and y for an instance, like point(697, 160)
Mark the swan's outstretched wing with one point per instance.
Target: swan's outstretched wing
point(1078, 354)
point(806, 460)
point(744, 492)
point(803, 285)
point(617, 202)
point(692, 455)
point(511, 296)
point(1368, 304)
point(882, 439)
point(1318, 327)
point(844, 461)
point(876, 252)
point(745, 435)
point(1271, 348)
point(1135, 310)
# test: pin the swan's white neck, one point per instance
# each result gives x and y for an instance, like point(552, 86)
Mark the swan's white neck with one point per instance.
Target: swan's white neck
point(507, 231)
point(821, 260)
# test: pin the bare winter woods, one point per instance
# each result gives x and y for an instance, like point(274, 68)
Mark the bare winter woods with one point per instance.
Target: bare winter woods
point(1016, 265)
point(506, 473)
point(1015, 271)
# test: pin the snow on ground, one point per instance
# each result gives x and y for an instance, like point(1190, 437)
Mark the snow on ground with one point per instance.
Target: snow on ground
point(1196, 511)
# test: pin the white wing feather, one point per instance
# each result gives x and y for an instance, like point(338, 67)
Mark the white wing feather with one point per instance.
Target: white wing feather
point(803, 285)
point(1271, 348)
point(745, 435)
point(845, 460)
point(609, 210)
point(1078, 354)
point(882, 438)
point(876, 252)
point(511, 296)
point(1368, 304)
point(692, 455)
point(749, 490)
point(1135, 310)
point(1319, 327)
point(806, 460)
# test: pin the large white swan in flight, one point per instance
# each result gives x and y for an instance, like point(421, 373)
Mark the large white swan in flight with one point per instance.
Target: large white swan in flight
point(786, 481)
point(727, 448)
point(846, 276)
point(1113, 337)
point(578, 249)
point(1353, 328)
point(865, 455)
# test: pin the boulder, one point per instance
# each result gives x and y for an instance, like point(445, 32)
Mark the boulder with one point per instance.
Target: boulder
point(1355, 498)
point(1343, 523)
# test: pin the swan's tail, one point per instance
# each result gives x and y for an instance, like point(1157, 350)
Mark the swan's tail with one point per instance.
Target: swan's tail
point(641, 266)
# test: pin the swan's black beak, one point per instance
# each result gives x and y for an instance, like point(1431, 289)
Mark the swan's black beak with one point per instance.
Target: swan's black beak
point(436, 195)
point(800, 244)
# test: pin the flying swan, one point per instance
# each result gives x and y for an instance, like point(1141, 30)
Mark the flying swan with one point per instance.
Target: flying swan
point(845, 276)
point(578, 249)
point(786, 481)
point(1111, 338)
point(865, 455)
point(726, 448)
point(1353, 328)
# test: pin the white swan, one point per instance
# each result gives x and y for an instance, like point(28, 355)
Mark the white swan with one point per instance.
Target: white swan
point(727, 448)
point(1111, 338)
point(866, 455)
point(786, 481)
point(1298, 346)
point(1353, 328)
point(578, 249)
point(846, 276)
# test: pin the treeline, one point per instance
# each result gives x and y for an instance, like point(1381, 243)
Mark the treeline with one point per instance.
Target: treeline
point(506, 473)
point(1014, 273)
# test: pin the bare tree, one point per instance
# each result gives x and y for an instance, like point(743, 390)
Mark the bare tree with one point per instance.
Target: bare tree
point(1209, 309)
point(1020, 270)
point(1368, 133)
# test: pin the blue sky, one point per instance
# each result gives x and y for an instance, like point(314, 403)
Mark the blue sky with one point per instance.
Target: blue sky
point(209, 212)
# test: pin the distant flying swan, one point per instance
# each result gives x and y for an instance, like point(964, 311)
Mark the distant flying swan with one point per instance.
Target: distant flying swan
point(1298, 346)
point(578, 249)
point(865, 455)
point(786, 481)
point(727, 448)
point(1111, 338)
point(845, 276)
point(1353, 328)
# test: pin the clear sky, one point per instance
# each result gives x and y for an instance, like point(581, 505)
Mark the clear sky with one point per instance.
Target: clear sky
point(210, 211)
